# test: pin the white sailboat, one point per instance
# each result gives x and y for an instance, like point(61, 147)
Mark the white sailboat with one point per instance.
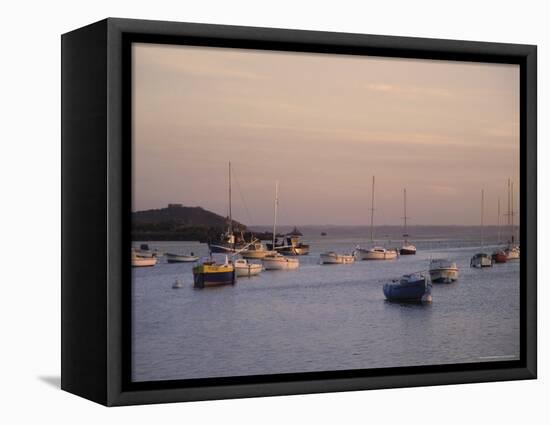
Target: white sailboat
point(277, 261)
point(481, 259)
point(332, 257)
point(375, 252)
point(138, 261)
point(243, 268)
point(512, 250)
point(407, 248)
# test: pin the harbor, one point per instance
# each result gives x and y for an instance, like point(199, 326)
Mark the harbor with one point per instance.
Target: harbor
point(300, 320)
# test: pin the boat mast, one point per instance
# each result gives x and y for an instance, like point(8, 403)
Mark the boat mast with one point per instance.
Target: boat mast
point(230, 215)
point(372, 213)
point(405, 233)
point(512, 209)
point(498, 220)
point(482, 199)
point(275, 212)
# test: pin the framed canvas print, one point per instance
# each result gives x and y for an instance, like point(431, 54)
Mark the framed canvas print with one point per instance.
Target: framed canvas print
point(254, 212)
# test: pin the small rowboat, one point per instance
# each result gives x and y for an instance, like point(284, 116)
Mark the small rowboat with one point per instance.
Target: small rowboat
point(410, 288)
point(177, 258)
point(280, 262)
point(138, 261)
point(334, 258)
point(245, 269)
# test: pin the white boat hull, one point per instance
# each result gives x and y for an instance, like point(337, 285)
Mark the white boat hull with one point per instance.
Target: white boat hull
point(512, 254)
point(173, 258)
point(248, 270)
point(256, 254)
point(280, 263)
point(480, 262)
point(444, 275)
point(144, 261)
point(336, 259)
point(370, 254)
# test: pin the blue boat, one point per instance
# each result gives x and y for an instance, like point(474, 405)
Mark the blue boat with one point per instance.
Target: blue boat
point(410, 288)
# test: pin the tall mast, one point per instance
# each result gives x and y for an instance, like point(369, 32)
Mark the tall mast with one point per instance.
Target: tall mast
point(482, 199)
point(405, 233)
point(498, 220)
point(230, 215)
point(275, 212)
point(512, 209)
point(372, 213)
point(508, 210)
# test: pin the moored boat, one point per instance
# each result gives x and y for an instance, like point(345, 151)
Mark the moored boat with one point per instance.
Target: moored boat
point(512, 252)
point(407, 248)
point(409, 288)
point(280, 262)
point(256, 250)
point(375, 253)
point(499, 256)
point(480, 260)
point(210, 273)
point(244, 268)
point(335, 258)
point(291, 244)
point(179, 258)
point(139, 261)
point(443, 271)
point(147, 252)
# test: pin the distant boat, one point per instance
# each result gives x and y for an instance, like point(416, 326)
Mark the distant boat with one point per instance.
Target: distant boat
point(499, 256)
point(334, 258)
point(139, 261)
point(244, 268)
point(178, 258)
point(481, 259)
point(443, 271)
point(410, 288)
point(512, 250)
point(177, 284)
point(256, 250)
point(376, 252)
point(407, 248)
point(278, 261)
point(291, 244)
point(227, 243)
point(210, 273)
point(323, 233)
point(145, 251)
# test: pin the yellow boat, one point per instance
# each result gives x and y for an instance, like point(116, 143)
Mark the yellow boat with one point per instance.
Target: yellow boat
point(211, 274)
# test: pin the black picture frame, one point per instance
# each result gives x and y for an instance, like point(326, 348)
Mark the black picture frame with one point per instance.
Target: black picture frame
point(96, 177)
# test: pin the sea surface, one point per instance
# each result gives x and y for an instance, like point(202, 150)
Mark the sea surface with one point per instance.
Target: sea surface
point(324, 317)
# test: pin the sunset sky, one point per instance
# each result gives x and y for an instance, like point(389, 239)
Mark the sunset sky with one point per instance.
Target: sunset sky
point(322, 125)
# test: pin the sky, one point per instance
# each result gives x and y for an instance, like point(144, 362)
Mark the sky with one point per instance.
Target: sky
point(322, 125)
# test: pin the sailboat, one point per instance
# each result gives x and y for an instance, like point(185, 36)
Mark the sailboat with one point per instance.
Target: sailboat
point(277, 261)
point(499, 255)
point(481, 259)
point(407, 248)
point(227, 242)
point(512, 250)
point(376, 252)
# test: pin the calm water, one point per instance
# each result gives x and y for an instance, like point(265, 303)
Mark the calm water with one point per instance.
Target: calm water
point(322, 317)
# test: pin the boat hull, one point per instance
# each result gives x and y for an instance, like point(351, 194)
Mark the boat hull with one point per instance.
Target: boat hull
point(280, 263)
point(417, 292)
point(444, 275)
point(336, 259)
point(407, 251)
point(256, 254)
point(248, 270)
point(512, 254)
point(144, 261)
point(173, 258)
point(368, 254)
point(500, 257)
point(213, 275)
point(481, 261)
